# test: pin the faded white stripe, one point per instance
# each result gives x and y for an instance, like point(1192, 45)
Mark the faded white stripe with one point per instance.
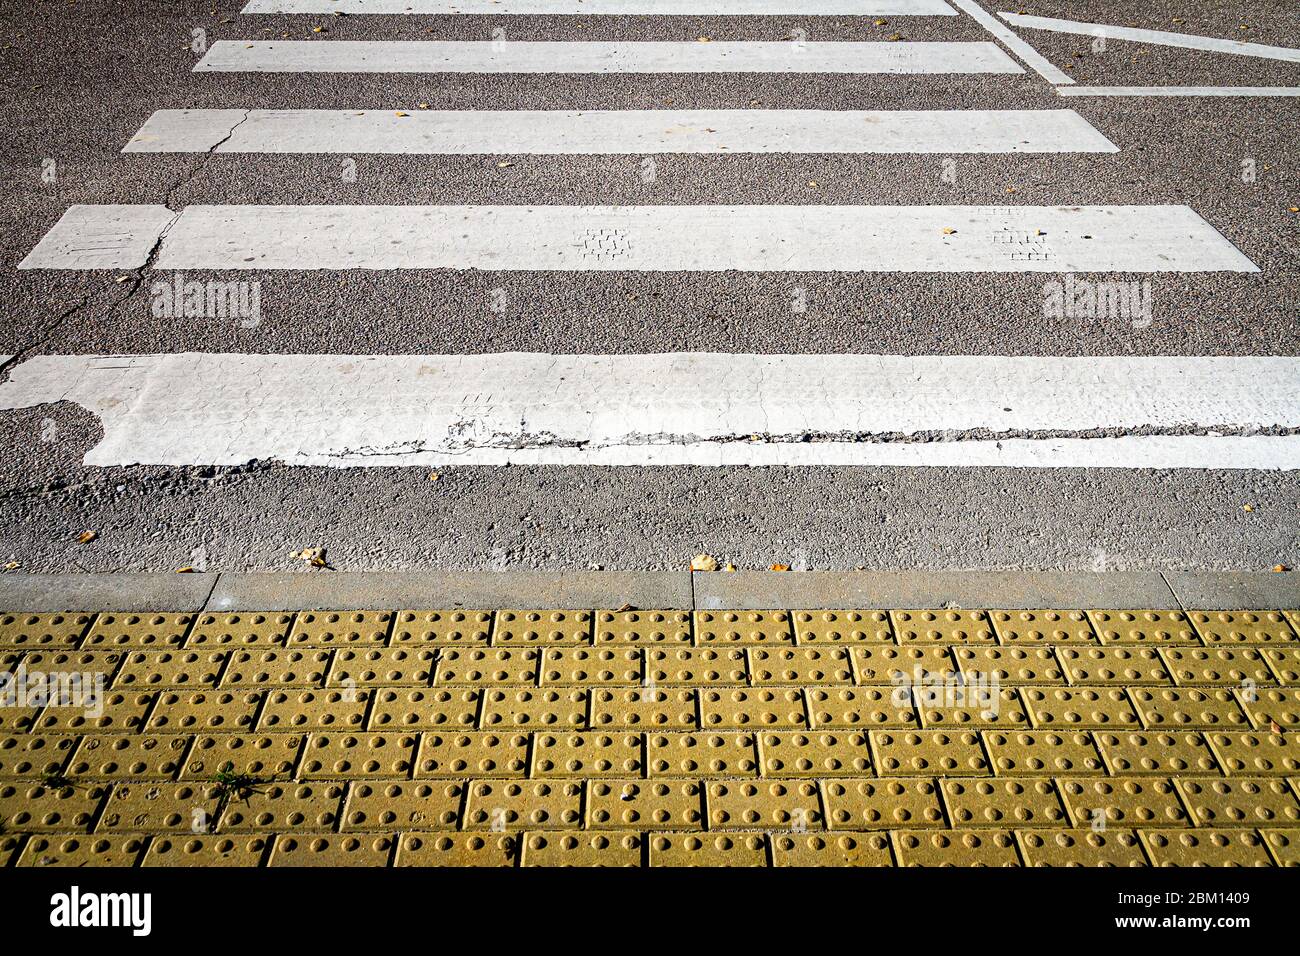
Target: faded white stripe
point(1157, 37)
point(673, 409)
point(631, 131)
point(519, 56)
point(625, 8)
point(1178, 90)
point(658, 238)
point(1031, 57)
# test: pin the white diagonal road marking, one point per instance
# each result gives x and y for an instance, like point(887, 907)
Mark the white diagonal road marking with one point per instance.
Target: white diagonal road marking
point(1158, 37)
point(1035, 60)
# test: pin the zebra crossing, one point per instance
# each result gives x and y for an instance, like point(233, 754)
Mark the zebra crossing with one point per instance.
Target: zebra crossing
point(823, 409)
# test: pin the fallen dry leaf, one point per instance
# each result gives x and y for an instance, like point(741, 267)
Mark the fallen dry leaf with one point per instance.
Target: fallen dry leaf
point(185, 570)
point(729, 567)
point(434, 476)
point(704, 562)
point(10, 566)
point(623, 608)
point(1280, 568)
point(1272, 725)
point(87, 536)
point(1247, 507)
point(780, 567)
point(313, 556)
point(504, 164)
point(400, 113)
point(424, 106)
point(948, 230)
point(703, 39)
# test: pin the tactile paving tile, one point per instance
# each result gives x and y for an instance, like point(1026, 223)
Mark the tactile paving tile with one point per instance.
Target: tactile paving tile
point(582, 849)
point(563, 708)
point(37, 808)
point(742, 627)
point(1159, 752)
point(409, 708)
point(11, 845)
point(159, 808)
point(278, 666)
point(340, 754)
point(262, 757)
point(831, 849)
point(280, 807)
point(401, 805)
point(701, 666)
point(955, 848)
point(1080, 708)
point(882, 804)
point(454, 753)
point(942, 627)
point(101, 712)
point(541, 628)
point(1243, 627)
point(819, 753)
point(1014, 666)
point(970, 706)
point(208, 850)
point(645, 804)
point(704, 754)
point(671, 628)
point(1274, 705)
point(101, 850)
point(1189, 708)
point(644, 708)
point(764, 804)
point(1205, 848)
point(355, 629)
point(800, 665)
point(1247, 754)
point(1284, 845)
point(43, 631)
point(303, 710)
point(26, 756)
point(708, 849)
point(928, 752)
point(1109, 847)
point(513, 805)
point(1143, 627)
point(1006, 802)
point(842, 627)
point(746, 708)
point(247, 630)
point(192, 711)
point(591, 666)
point(865, 707)
point(1284, 662)
point(170, 669)
point(1240, 802)
point(1115, 666)
point(18, 719)
point(494, 665)
point(128, 757)
point(391, 666)
point(1227, 666)
point(125, 631)
point(594, 753)
point(332, 849)
point(441, 628)
point(1050, 752)
point(1042, 627)
point(458, 849)
point(92, 666)
point(1124, 802)
point(884, 664)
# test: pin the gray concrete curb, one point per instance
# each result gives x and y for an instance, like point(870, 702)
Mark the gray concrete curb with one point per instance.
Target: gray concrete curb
point(487, 590)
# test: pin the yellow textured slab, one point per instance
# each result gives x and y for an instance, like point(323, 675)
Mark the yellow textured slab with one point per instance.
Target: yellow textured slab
point(539, 628)
point(1143, 627)
point(1123, 666)
point(282, 808)
point(118, 711)
point(888, 665)
point(160, 808)
point(942, 627)
point(1049, 752)
point(218, 631)
point(708, 849)
point(509, 805)
point(1189, 708)
point(897, 803)
point(800, 665)
point(95, 851)
point(1240, 802)
point(441, 628)
point(43, 631)
point(929, 752)
point(590, 754)
point(1284, 845)
point(184, 711)
point(1251, 754)
point(702, 754)
point(820, 753)
point(24, 757)
point(1124, 802)
point(92, 665)
point(333, 849)
point(182, 669)
point(457, 849)
point(128, 757)
point(36, 808)
point(1080, 708)
point(472, 754)
point(399, 805)
point(1205, 848)
point(497, 665)
point(304, 710)
point(1228, 666)
point(388, 666)
point(337, 755)
point(739, 708)
point(1109, 847)
point(843, 627)
point(1162, 753)
point(535, 709)
point(207, 850)
point(1042, 627)
point(17, 720)
point(442, 708)
point(1243, 627)
point(853, 707)
point(262, 756)
point(1029, 802)
point(831, 849)
point(764, 805)
point(591, 666)
point(644, 708)
point(1269, 706)
point(645, 804)
point(355, 629)
point(1015, 665)
point(582, 849)
point(123, 631)
point(742, 627)
point(1284, 662)
point(256, 668)
point(962, 707)
point(955, 848)
point(671, 628)
point(700, 666)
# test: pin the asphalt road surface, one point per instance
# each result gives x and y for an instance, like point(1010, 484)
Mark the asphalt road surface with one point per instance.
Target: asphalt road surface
point(1038, 464)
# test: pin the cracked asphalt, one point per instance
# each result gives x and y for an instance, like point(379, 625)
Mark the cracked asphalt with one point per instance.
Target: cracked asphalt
point(83, 77)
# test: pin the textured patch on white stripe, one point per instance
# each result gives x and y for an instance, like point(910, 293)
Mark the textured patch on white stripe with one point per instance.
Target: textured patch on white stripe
point(520, 56)
point(610, 131)
point(660, 239)
point(1035, 60)
point(671, 409)
point(1157, 37)
point(623, 8)
point(1178, 90)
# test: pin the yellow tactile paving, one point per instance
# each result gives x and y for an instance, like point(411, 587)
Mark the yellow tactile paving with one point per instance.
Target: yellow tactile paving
point(654, 737)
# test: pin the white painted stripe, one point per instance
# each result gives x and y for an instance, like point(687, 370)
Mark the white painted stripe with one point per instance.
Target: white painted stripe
point(1157, 37)
point(520, 56)
point(631, 131)
point(1178, 90)
point(674, 409)
point(623, 8)
point(661, 238)
point(1031, 57)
